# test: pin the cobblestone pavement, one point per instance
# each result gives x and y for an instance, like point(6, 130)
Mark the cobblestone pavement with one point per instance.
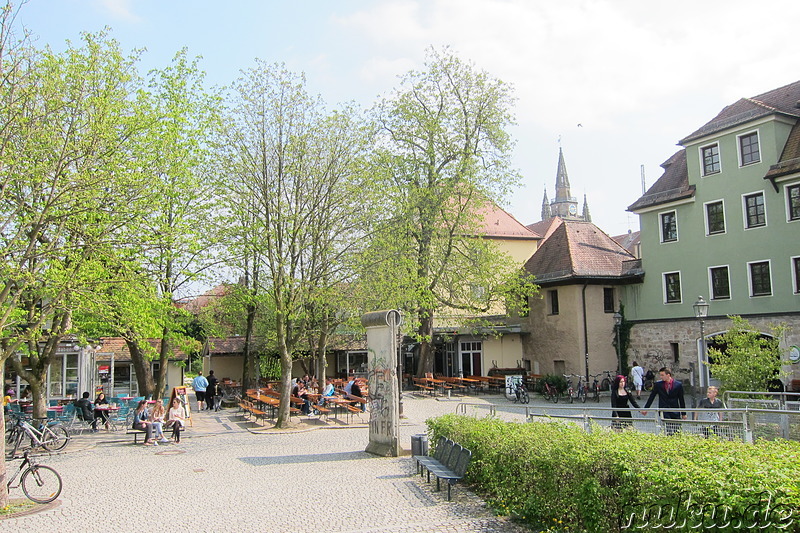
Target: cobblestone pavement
point(232, 475)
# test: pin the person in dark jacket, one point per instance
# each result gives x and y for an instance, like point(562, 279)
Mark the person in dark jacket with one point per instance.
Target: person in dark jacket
point(355, 390)
point(85, 410)
point(211, 390)
point(670, 396)
point(620, 397)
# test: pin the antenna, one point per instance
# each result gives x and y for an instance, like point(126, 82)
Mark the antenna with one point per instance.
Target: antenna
point(643, 187)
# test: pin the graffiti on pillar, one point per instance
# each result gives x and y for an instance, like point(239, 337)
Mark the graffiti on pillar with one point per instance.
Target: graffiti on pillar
point(382, 381)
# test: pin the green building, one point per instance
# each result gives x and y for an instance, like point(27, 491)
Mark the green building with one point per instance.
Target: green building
point(722, 222)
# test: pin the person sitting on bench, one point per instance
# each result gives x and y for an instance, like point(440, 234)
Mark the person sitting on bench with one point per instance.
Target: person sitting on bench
point(141, 422)
point(175, 419)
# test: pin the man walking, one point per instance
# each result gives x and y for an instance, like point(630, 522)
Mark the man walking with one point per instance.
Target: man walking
point(200, 384)
point(637, 373)
point(670, 396)
point(211, 389)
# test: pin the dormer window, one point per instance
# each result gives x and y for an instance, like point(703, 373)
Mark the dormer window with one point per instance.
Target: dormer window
point(749, 152)
point(710, 155)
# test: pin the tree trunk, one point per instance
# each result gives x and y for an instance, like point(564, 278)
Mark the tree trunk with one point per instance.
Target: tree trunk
point(144, 373)
point(425, 333)
point(286, 372)
point(163, 361)
point(250, 373)
point(322, 362)
point(3, 480)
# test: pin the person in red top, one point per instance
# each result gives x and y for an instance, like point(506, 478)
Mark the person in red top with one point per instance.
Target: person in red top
point(670, 396)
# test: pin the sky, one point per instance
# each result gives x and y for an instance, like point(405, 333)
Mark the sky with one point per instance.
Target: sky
point(614, 83)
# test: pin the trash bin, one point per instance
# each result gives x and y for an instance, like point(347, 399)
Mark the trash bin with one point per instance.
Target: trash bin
point(419, 444)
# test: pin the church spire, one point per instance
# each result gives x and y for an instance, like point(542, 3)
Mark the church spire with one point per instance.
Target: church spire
point(586, 216)
point(545, 206)
point(562, 180)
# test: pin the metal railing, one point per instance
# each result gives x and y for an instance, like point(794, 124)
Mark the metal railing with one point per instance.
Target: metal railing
point(745, 424)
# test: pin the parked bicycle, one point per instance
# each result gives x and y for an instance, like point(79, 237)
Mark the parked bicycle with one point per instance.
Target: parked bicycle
point(583, 389)
point(608, 381)
point(40, 483)
point(23, 435)
point(595, 387)
point(520, 393)
point(570, 391)
point(550, 392)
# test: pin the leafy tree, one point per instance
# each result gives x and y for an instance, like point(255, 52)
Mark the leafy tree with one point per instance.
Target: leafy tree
point(295, 169)
point(749, 360)
point(443, 151)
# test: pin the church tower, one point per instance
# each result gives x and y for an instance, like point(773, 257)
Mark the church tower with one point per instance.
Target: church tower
point(564, 205)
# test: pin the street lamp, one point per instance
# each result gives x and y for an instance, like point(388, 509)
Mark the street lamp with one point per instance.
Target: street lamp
point(700, 313)
point(617, 325)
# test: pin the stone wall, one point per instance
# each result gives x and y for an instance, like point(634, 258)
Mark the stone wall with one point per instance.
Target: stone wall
point(651, 342)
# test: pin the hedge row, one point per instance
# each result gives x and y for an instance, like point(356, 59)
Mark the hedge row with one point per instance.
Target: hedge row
point(551, 473)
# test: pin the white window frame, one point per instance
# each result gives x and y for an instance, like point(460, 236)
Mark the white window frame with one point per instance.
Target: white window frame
point(724, 218)
point(661, 226)
point(788, 204)
point(711, 283)
point(703, 172)
point(744, 210)
point(750, 279)
point(739, 147)
point(664, 287)
point(793, 267)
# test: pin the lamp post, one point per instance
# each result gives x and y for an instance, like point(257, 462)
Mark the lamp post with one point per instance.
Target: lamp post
point(700, 313)
point(617, 325)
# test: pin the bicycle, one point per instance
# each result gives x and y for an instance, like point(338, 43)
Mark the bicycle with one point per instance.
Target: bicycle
point(550, 392)
point(51, 438)
point(520, 393)
point(608, 381)
point(40, 483)
point(583, 391)
point(595, 388)
point(570, 390)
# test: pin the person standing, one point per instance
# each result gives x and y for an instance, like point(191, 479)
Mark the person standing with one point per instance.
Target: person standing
point(670, 396)
point(714, 414)
point(211, 389)
point(200, 384)
point(619, 400)
point(637, 374)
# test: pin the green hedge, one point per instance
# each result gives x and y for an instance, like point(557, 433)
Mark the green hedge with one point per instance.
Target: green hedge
point(552, 474)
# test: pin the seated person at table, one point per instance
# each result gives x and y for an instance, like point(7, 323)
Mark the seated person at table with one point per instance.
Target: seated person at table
point(175, 419)
point(356, 391)
point(299, 391)
point(328, 391)
point(85, 411)
point(7, 400)
point(157, 420)
point(348, 389)
point(101, 414)
point(141, 422)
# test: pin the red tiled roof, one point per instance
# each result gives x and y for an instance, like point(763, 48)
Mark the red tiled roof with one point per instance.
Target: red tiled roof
point(789, 163)
point(577, 249)
point(498, 223)
point(545, 228)
point(118, 347)
point(193, 305)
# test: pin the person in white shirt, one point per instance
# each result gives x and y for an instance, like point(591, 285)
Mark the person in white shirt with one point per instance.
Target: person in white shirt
point(637, 373)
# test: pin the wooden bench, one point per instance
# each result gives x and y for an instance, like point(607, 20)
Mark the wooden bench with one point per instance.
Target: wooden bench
point(448, 462)
point(137, 432)
point(423, 386)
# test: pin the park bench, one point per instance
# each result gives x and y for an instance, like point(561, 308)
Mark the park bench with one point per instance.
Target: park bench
point(423, 386)
point(137, 432)
point(449, 462)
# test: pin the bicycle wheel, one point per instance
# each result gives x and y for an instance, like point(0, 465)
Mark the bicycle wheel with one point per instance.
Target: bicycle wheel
point(55, 438)
point(582, 394)
point(570, 393)
point(523, 396)
point(555, 395)
point(605, 384)
point(41, 484)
